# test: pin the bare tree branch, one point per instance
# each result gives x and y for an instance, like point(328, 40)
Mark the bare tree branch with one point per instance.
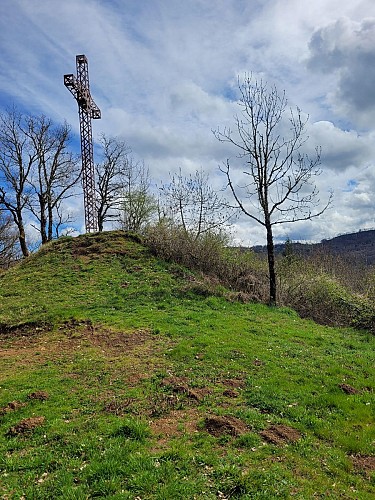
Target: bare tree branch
point(280, 173)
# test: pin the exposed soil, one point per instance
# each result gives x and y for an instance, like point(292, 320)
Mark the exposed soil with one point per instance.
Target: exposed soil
point(180, 385)
point(118, 407)
point(234, 383)
point(138, 350)
point(230, 393)
point(29, 329)
point(364, 463)
point(118, 341)
point(12, 406)
point(280, 434)
point(176, 423)
point(26, 426)
point(38, 395)
point(348, 389)
point(218, 426)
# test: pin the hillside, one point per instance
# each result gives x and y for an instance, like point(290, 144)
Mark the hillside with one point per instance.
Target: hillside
point(359, 247)
point(123, 376)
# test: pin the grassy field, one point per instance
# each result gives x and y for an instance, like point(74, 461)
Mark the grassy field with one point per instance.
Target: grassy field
point(124, 377)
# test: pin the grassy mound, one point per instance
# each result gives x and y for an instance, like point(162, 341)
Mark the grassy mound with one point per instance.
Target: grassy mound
point(123, 376)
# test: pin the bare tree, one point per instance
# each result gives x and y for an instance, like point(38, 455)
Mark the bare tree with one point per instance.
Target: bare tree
point(8, 241)
point(280, 188)
point(37, 172)
point(56, 171)
point(191, 203)
point(138, 205)
point(109, 173)
point(16, 161)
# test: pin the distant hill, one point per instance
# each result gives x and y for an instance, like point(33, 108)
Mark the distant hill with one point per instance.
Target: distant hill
point(360, 245)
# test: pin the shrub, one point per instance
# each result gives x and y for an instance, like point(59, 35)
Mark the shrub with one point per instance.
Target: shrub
point(209, 253)
point(321, 286)
point(319, 295)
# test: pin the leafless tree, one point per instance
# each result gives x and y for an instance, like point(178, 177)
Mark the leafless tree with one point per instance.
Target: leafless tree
point(55, 173)
point(37, 172)
point(138, 205)
point(16, 162)
point(123, 186)
point(191, 203)
point(115, 153)
point(8, 241)
point(280, 187)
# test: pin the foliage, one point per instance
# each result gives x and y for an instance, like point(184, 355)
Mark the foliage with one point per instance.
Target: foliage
point(103, 340)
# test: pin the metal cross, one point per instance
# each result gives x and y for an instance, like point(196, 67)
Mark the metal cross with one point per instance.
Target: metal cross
point(87, 109)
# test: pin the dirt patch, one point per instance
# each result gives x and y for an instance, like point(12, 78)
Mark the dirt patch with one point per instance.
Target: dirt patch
point(348, 389)
point(218, 426)
point(176, 423)
point(12, 406)
point(280, 434)
point(163, 404)
point(230, 393)
point(234, 383)
point(73, 336)
point(363, 463)
point(180, 385)
point(38, 395)
point(120, 341)
point(26, 426)
point(118, 407)
point(13, 332)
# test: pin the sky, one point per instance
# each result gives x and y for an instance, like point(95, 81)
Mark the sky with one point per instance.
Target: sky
point(165, 75)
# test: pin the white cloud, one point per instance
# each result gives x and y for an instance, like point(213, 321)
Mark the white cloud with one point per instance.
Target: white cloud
point(164, 74)
point(341, 149)
point(347, 48)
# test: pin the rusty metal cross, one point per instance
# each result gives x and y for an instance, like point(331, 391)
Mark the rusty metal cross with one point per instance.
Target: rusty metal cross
point(87, 109)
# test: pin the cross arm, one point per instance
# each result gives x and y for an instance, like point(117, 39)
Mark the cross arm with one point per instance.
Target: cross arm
point(82, 96)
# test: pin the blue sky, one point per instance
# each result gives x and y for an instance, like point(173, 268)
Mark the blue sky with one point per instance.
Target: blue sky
point(164, 74)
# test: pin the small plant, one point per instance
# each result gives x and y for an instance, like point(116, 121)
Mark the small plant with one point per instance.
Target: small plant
point(133, 429)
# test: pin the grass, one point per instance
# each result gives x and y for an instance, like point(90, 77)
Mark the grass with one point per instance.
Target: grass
point(134, 354)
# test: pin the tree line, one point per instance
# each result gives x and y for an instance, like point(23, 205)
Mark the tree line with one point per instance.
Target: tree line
point(39, 172)
point(270, 178)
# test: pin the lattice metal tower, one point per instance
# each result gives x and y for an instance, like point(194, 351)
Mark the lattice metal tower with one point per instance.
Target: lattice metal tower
point(87, 110)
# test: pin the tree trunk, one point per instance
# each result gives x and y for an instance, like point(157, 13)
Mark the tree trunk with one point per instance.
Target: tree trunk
point(100, 221)
point(43, 219)
point(50, 222)
point(22, 239)
point(271, 264)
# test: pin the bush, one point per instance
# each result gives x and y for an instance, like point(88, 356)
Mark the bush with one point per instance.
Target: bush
point(321, 286)
point(209, 253)
point(319, 295)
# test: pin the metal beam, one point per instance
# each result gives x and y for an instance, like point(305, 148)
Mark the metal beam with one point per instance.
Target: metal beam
point(87, 109)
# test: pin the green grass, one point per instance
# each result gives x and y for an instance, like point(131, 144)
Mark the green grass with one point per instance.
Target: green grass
point(100, 325)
